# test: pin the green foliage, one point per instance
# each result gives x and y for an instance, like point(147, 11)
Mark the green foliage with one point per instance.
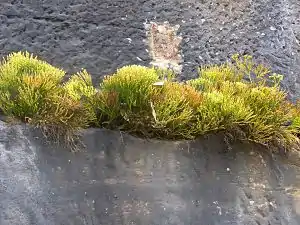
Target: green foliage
point(61, 118)
point(17, 65)
point(108, 108)
point(173, 107)
point(236, 98)
point(133, 85)
point(296, 124)
point(211, 77)
point(80, 88)
point(79, 85)
point(126, 92)
point(244, 66)
point(222, 111)
point(27, 99)
point(31, 90)
point(26, 83)
point(272, 112)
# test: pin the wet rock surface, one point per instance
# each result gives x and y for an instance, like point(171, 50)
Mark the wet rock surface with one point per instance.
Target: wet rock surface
point(119, 179)
point(104, 35)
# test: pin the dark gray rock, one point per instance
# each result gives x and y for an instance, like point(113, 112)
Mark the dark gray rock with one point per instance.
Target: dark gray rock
point(131, 181)
point(119, 179)
point(93, 34)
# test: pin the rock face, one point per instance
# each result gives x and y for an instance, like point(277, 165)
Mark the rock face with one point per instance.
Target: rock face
point(119, 179)
point(104, 35)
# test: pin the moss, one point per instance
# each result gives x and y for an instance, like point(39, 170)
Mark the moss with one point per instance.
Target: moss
point(173, 107)
point(240, 98)
point(32, 91)
point(124, 94)
point(80, 89)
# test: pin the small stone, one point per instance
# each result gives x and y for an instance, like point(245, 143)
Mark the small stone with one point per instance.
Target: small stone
point(272, 205)
point(129, 39)
point(228, 169)
point(251, 202)
point(272, 28)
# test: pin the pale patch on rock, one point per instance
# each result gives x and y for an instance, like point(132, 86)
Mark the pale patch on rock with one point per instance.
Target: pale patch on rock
point(164, 45)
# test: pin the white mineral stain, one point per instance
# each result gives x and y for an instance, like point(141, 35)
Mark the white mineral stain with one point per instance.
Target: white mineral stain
point(164, 45)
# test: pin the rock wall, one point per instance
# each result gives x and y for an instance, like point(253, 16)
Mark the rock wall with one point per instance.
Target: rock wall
point(119, 179)
point(102, 35)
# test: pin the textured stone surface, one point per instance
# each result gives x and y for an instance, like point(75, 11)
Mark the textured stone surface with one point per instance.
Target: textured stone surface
point(120, 179)
point(102, 35)
point(128, 180)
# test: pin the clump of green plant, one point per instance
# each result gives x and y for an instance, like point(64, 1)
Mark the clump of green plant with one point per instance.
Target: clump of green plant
point(79, 85)
point(221, 111)
point(241, 99)
point(241, 69)
point(61, 118)
point(296, 125)
point(25, 81)
point(133, 85)
point(211, 77)
point(80, 88)
point(173, 109)
point(16, 65)
point(126, 93)
point(31, 90)
point(272, 115)
point(245, 98)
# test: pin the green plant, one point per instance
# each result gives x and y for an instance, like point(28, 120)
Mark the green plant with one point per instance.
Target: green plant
point(233, 98)
point(222, 112)
point(296, 125)
point(272, 112)
point(173, 106)
point(212, 77)
point(80, 88)
point(31, 91)
point(107, 108)
point(25, 82)
point(79, 85)
point(61, 119)
point(126, 92)
point(17, 65)
point(257, 111)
